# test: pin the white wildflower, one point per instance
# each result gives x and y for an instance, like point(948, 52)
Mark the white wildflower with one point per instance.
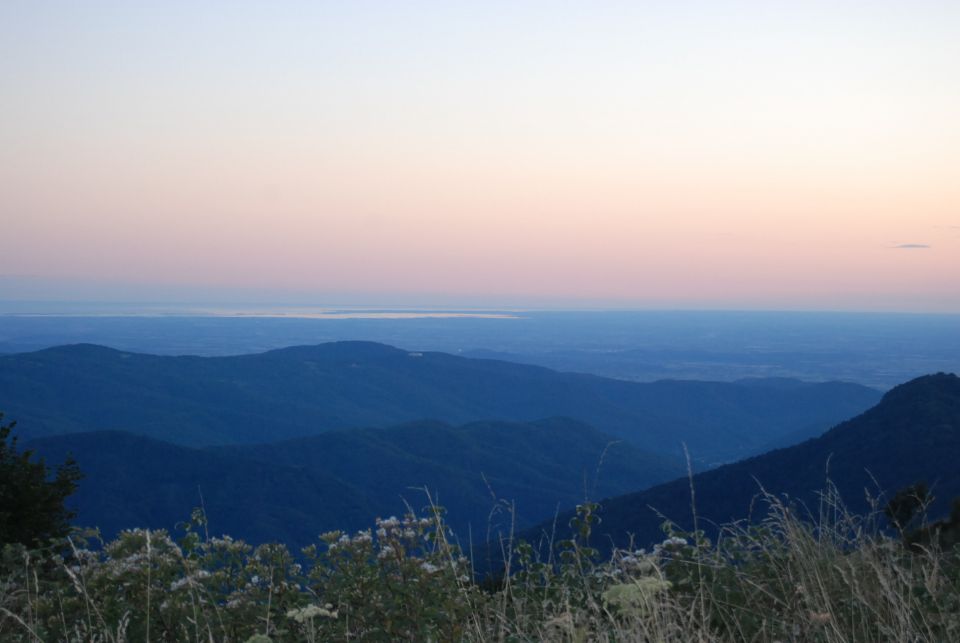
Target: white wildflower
point(310, 612)
point(363, 536)
point(180, 583)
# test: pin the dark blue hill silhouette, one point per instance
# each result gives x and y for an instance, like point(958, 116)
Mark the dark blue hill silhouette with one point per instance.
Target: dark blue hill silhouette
point(912, 435)
point(305, 390)
point(538, 464)
point(291, 491)
point(134, 481)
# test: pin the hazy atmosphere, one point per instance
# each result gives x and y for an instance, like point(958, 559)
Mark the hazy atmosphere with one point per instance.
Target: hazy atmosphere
point(480, 321)
point(746, 155)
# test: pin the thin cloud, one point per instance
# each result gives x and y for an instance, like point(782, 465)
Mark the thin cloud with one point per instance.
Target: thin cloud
point(912, 246)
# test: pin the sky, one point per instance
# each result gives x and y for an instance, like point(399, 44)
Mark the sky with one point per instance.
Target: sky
point(743, 155)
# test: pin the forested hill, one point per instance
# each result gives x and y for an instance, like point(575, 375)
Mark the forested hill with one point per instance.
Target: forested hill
point(292, 491)
point(302, 391)
point(912, 435)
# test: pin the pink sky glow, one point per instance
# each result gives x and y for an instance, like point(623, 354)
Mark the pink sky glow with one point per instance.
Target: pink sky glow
point(689, 154)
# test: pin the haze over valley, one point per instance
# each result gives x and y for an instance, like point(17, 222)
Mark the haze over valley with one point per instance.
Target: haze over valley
point(874, 349)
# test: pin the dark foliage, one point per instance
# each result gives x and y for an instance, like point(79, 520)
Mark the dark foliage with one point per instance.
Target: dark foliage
point(906, 503)
point(945, 533)
point(32, 507)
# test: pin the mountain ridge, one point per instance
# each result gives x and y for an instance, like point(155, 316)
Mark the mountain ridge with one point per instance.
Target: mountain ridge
point(305, 390)
point(912, 435)
point(344, 479)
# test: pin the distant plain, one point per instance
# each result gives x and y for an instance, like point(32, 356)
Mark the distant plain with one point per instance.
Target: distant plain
point(874, 349)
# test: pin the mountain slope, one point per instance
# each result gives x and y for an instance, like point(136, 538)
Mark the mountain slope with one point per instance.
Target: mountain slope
point(302, 391)
point(912, 435)
point(294, 490)
point(538, 465)
point(133, 481)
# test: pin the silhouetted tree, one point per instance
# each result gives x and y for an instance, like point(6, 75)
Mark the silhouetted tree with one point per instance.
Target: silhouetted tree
point(903, 507)
point(32, 507)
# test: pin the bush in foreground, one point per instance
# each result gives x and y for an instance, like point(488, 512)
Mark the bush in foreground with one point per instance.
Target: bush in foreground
point(32, 507)
point(836, 578)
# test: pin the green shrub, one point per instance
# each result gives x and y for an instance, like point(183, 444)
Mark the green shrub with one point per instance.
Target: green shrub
point(32, 507)
point(839, 578)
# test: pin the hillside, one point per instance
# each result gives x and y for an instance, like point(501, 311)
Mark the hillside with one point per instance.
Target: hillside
point(134, 481)
point(291, 491)
point(912, 435)
point(302, 391)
